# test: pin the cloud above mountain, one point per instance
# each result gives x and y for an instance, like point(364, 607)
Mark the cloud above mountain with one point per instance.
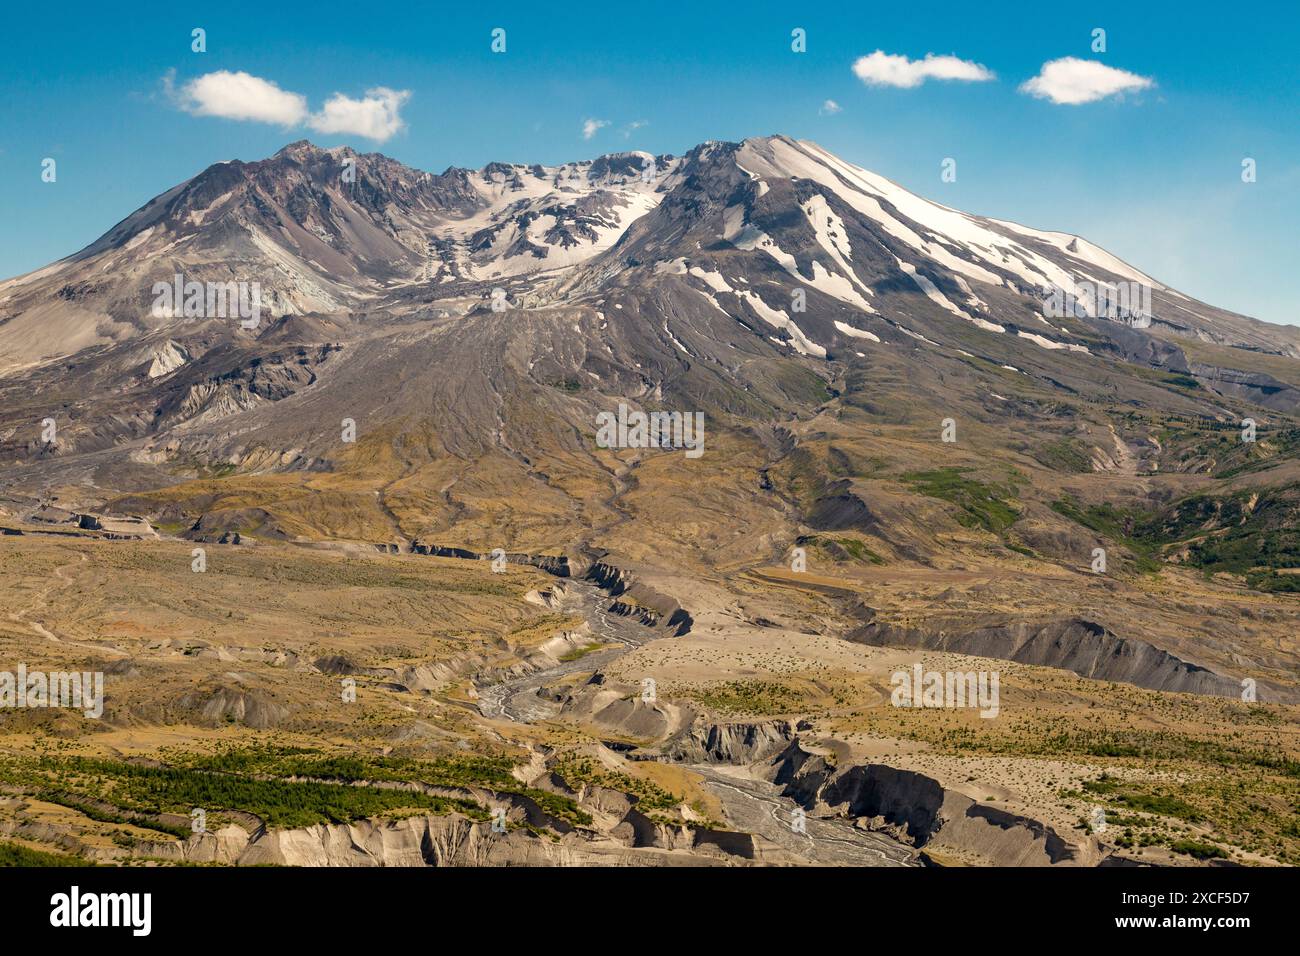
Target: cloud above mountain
point(376, 116)
point(889, 69)
point(242, 96)
point(1072, 81)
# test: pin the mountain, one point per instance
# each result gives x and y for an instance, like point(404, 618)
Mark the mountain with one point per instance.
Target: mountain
point(331, 230)
point(322, 231)
point(903, 442)
point(827, 325)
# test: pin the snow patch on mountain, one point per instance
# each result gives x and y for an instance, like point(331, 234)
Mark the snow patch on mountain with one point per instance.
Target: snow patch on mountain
point(1051, 343)
point(856, 333)
point(1082, 249)
point(834, 238)
point(957, 241)
point(778, 319)
point(934, 295)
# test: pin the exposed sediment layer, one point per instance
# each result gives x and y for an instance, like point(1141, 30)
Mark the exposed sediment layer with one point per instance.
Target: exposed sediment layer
point(740, 742)
point(917, 809)
point(453, 840)
point(556, 564)
point(1074, 644)
point(651, 606)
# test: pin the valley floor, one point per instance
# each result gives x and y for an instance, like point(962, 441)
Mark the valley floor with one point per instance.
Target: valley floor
point(520, 717)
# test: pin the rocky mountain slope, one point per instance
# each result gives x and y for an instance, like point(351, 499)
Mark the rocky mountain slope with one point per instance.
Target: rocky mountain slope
point(432, 353)
point(924, 442)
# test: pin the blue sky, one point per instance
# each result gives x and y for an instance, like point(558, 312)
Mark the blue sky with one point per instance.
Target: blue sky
point(1154, 174)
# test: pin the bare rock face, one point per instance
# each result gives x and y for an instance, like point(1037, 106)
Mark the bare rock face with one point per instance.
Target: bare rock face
point(620, 709)
point(635, 599)
point(915, 808)
point(549, 598)
point(1084, 647)
point(455, 841)
point(223, 704)
point(735, 743)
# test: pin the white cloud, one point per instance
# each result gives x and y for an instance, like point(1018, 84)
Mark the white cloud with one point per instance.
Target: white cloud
point(591, 126)
point(240, 96)
point(888, 69)
point(376, 116)
point(829, 108)
point(1073, 81)
point(630, 128)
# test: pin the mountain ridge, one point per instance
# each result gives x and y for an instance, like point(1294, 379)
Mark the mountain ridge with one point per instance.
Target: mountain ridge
point(320, 237)
point(500, 310)
point(882, 383)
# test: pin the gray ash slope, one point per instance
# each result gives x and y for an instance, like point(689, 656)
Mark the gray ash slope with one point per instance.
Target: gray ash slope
point(666, 279)
point(661, 279)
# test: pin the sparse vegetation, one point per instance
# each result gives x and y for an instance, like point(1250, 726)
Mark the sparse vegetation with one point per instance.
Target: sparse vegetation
point(15, 854)
point(1251, 534)
point(279, 803)
point(761, 698)
point(1199, 849)
point(1065, 454)
point(578, 770)
point(982, 505)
